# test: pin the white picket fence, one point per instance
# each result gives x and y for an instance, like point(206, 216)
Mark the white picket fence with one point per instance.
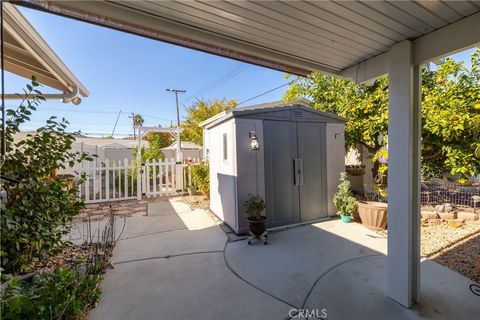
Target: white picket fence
point(122, 180)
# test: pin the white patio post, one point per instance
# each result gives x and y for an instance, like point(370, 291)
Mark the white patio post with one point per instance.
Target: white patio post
point(404, 131)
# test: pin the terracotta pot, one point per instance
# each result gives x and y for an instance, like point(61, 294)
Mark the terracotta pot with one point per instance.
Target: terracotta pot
point(373, 214)
point(257, 227)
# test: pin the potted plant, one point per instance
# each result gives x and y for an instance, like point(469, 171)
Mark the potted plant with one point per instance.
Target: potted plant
point(192, 190)
point(344, 200)
point(373, 213)
point(355, 169)
point(254, 207)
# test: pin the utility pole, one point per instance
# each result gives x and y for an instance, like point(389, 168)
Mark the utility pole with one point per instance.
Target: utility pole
point(179, 146)
point(115, 126)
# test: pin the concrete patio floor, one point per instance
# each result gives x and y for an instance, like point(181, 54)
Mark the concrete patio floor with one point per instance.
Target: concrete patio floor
point(177, 263)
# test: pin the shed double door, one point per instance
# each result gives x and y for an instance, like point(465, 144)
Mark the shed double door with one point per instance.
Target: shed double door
point(295, 177)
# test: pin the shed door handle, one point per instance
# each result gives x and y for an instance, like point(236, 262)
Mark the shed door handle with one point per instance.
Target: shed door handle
point(300, 171)
point(297, 172)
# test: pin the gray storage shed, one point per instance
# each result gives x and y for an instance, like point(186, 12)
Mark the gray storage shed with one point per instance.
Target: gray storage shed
point(296, 168)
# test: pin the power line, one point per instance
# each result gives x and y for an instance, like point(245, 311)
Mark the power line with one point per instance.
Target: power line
point(218, 82)
point(264, 93)
point(99, 112)
point(213, 83)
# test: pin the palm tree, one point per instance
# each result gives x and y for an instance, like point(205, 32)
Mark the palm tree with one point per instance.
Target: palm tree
point(137, 121)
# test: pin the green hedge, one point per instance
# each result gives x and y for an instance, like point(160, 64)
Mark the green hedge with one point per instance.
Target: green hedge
point(201, 177)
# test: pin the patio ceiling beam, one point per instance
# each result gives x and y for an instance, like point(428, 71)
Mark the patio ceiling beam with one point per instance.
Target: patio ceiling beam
point(112, 15)
point(458, 36)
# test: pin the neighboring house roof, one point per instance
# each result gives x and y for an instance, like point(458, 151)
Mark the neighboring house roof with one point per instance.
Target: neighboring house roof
point(116, 146)
point(185, 145)
point(271, 107)
point(27, 54)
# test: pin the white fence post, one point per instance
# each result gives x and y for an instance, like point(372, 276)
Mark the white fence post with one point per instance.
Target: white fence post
point(179, 176)
point(125, 182)
point(107, 179)
point(139, 177)
point(147, 174)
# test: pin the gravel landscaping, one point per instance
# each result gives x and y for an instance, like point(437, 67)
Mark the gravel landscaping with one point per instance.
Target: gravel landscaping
point(195, 201)
point(463, 257)
point(455, 248)
point(440, 237)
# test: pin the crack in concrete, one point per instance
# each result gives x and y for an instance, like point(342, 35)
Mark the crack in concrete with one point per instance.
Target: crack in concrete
point(251, 284)
point(168, 256)
point(331, 269)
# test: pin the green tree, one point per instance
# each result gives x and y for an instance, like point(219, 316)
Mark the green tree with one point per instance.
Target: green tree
point(365, 107)
point(450, 114)
point(200, 111)
point(156, 141)
point(451, 118)
point(40, 205)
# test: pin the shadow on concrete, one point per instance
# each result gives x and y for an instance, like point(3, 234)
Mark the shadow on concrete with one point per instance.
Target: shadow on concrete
point(342, 268)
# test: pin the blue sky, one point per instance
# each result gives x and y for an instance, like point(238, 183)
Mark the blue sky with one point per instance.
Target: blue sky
point(130, 73)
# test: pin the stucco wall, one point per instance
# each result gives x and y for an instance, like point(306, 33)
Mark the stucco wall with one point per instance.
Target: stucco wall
point(335, 160)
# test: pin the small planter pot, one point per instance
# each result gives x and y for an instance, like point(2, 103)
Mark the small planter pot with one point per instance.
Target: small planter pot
point(373, 214)
point(257, 227)
point(355, 170)
point(192, 190)
point(345, 219)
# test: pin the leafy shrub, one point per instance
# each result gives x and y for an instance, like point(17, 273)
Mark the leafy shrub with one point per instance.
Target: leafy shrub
point(343, 200)
point(254, 207)
point(201, 177)
point(39, 205)
point(433, 169)
point(61, 294)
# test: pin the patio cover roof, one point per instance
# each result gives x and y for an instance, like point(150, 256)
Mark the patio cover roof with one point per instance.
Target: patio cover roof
point(27, 54)
point(348, 39)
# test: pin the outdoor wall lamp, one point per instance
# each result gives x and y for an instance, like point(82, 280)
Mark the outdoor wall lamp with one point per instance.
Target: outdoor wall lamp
point(254, 145)
point(72, 97)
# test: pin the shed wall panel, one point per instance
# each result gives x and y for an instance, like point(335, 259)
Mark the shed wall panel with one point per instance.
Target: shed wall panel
point(250, 166)
point(223, 178)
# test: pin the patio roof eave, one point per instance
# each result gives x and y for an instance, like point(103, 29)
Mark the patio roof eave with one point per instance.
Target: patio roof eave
point(27, 54)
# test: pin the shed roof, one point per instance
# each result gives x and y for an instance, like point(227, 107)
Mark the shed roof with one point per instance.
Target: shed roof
point(265, 110)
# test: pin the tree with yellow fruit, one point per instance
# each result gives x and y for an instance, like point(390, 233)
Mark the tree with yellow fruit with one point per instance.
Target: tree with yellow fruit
point(450, 114)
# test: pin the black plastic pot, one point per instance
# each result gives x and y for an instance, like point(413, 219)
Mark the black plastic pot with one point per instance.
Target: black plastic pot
point(257, 227)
